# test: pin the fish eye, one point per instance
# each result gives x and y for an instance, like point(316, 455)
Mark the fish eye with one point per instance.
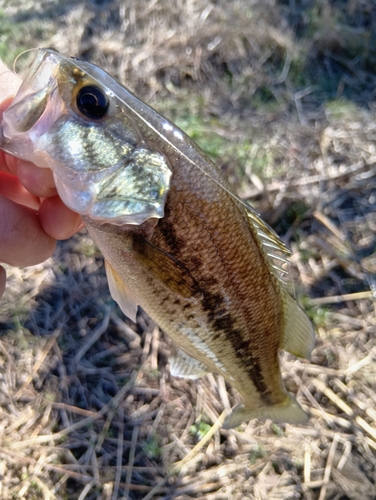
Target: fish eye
point(92, 102)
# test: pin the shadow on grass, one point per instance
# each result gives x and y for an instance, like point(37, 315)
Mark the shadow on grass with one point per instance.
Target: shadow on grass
point(112, 410)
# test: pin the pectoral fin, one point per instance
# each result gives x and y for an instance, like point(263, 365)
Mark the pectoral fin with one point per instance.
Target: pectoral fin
point(289, 412)
point(183, 365)
point(299, 337)
point(165, 268)
point(120, 293)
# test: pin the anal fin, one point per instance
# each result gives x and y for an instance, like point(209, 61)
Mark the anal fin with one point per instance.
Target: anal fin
point(120, 293)
point(299, 337)
point(183, 365)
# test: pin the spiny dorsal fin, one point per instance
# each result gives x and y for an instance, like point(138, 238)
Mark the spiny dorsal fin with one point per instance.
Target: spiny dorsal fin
point(120, 293)
point(266, 232)
point(299, 337)
point(274, 248)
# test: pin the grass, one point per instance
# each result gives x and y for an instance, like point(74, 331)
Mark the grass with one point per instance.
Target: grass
point(281, 95)
point(9, 32)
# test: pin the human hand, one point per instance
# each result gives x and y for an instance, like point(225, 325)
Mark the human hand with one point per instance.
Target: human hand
point(32, 216)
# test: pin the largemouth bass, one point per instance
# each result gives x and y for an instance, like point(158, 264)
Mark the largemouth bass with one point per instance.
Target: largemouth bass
point(176, 240)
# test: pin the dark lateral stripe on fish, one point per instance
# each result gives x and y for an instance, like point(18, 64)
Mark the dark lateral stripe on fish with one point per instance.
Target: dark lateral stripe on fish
point(210, 303)
point(214, 302)
point(174, 242)
point(251, 363)
point(243, 352)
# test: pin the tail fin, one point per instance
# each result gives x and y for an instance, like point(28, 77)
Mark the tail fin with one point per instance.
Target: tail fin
point(289, 412)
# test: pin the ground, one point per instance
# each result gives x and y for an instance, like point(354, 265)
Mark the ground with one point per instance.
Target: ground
point(282, 95)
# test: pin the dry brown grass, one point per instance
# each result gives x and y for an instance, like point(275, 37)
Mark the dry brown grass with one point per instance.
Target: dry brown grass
point(88, 409)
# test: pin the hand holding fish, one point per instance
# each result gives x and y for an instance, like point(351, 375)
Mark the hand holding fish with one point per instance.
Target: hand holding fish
point(32, 215)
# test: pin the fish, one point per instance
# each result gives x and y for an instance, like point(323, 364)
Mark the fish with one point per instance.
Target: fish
point(175, 237)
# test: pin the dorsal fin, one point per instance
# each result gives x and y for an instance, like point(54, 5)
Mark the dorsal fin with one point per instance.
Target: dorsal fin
point(274, 248)
point(268, 233)
point(299, 337)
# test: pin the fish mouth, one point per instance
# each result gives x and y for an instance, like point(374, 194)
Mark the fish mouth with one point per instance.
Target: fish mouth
point(35, 108)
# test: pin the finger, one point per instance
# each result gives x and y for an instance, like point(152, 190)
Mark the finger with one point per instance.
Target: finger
point(58, 220)
point(5, 101)
point(2, 280)
point(38, 181)
point(23, 240)
point(11, 187)
point(8, 163)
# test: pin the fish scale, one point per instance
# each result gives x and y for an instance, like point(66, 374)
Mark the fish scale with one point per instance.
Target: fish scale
point(176, 239)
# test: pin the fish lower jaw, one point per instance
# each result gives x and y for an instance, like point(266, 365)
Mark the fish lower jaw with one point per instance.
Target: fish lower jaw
point(84, 201)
